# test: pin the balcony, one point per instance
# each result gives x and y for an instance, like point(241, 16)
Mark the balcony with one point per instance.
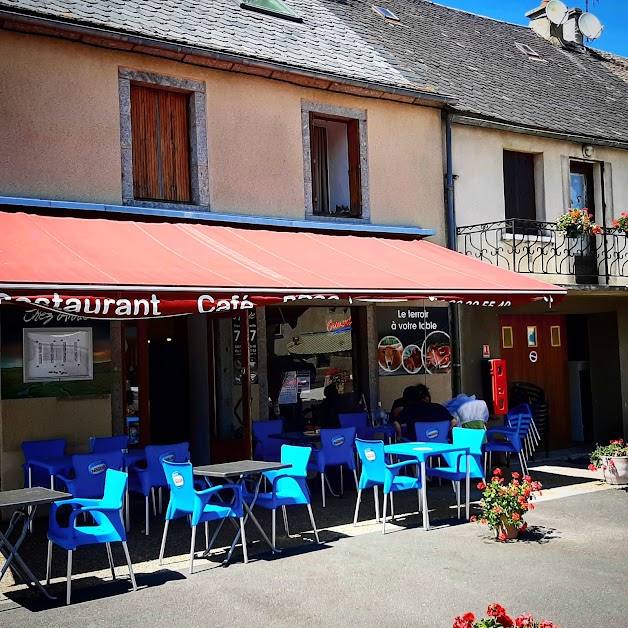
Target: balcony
point(537, 248)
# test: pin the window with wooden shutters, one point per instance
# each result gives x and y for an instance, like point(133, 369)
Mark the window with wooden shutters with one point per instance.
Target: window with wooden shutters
point(336, 157)
point(519, 189)
point(160, 131)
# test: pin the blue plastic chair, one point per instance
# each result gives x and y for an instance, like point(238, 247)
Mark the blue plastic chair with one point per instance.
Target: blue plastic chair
point(36, 476)
point(90, 473)
point(359, 420)
point(146, 480)
point(289, 487)
point(377, 472)
point(432, 431)
point(337, 450)
point(109, 527)
point(108, 443)
point(266, 448)
point(509, 440)
point(185, 501)
point(455, 467)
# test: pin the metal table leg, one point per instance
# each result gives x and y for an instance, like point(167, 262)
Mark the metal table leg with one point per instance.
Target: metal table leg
point(426, 516)
point(468, 485)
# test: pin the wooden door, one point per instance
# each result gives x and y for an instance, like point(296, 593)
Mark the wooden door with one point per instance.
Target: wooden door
point(535, 350)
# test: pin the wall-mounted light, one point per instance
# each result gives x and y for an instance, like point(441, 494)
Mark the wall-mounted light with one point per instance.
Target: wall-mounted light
point(587, 150)
point(168, 339)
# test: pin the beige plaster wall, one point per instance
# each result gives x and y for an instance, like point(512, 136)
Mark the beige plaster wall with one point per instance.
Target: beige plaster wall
point(38, 419)
point(60, 135)
point(478, 164)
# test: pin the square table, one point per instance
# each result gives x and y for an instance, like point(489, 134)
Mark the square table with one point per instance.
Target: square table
point(240, 471)
point(421, 452)
point(24, 502)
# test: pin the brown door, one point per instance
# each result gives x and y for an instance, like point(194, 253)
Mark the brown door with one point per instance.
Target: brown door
point(535, 351)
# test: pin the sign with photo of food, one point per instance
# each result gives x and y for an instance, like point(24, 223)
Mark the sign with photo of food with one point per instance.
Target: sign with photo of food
point(413, 340)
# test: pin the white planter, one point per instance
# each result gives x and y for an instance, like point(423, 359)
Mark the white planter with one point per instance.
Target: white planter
point(615, 469)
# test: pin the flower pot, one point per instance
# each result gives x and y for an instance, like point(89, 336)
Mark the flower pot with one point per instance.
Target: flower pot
point(615, 469)
point(511, 531)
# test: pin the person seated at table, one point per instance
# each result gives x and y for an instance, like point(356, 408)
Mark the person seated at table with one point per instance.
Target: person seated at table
point(418, 408)
point(330, 407)
point(398, 404)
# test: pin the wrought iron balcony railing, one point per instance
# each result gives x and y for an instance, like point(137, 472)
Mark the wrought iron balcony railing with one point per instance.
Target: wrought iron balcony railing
point(530, 246)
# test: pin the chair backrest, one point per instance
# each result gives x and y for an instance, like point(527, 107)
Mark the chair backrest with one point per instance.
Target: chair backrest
point(298, 457)
point(354, 419)
point(432, 431)
point(180, 480)
point(337, 445)
point(472, 439)
point(267, 448)
point(43, 448)
point(115, 488)
point(371, 454)
point(522, 409)
point(90, 472)
point(108, 443)
point(157, 454)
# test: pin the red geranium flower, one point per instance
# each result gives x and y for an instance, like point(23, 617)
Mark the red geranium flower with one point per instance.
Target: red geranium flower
point(502, 536)
point(495, 609)
point(473, 518)
point(481, 486)
point(524, 620)
point(524, 527)
point(464, 621)
point(497, 472)
point(516, 475)
point(516, 516)
point(592, 467)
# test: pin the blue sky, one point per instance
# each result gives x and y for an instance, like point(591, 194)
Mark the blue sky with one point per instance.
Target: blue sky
point(612, 13)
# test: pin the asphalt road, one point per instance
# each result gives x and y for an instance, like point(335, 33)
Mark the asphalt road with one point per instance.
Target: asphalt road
point(571, 568)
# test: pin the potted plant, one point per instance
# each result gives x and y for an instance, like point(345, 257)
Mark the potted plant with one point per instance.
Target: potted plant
point(497, 617)
point(621, 223)
point(578, 226)
point(613, 459)
point(576, 223)
point(504, 505)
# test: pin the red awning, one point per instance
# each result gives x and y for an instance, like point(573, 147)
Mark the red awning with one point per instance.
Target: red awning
point(78, 264)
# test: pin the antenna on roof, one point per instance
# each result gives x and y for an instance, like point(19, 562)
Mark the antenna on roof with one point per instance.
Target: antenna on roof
point(590, 26)
point(556, 11)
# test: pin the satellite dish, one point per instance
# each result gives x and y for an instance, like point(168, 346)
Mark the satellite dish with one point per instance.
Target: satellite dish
point(590, 26)
point(556, 11)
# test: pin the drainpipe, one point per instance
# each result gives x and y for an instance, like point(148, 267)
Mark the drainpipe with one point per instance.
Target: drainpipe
point(454, 311)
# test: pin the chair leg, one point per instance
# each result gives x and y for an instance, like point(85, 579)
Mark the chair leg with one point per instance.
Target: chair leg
point(163, 543)
point(49, 563)
point(342, 483)
point(323, 488)
point(458, 497)
point(285, 520)
point(420, 500)
point(244, 548)
point(309, 509)
point(146, 509)
point(206, 534)
point(392, 506)
point(357, 507)
point(68, 577)
point(453, 486)
point(384, 517)
point(130, 564)
point(274, 527)
point(376, 493)
point(355, 477)
point(192, 546)
point(160, 501)
point(110, 558)
point(152, 493)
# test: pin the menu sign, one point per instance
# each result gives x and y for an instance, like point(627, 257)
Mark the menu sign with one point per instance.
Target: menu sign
point(237, 347)
point(413, 340)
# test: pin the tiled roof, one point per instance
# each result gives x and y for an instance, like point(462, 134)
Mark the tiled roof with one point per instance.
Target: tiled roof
point(322, 43)
point(475, 59)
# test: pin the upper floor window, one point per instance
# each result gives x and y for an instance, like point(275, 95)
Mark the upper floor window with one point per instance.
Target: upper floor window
point(519, 186)
point(581, 186)
point(335, 155)
point(164, 140)
point(161, 144)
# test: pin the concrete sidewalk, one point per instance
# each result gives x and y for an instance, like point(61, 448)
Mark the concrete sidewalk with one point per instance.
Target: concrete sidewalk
point(570, 567)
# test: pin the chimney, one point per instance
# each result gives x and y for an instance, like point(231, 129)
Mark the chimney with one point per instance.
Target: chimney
point(566, 34)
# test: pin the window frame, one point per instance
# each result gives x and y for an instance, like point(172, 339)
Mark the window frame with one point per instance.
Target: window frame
point(314, 109)
point(197, 122)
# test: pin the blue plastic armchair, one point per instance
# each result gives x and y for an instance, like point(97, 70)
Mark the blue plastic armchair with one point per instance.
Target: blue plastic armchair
point(90, 473)
point(108, 443)
point(109, 528)
point(432, 431)
point(37, 476)
point(289, 487)
point(146, 480)
point(358, 420)
point(455, 467)
point(377, 472)
point(266, 448)
point(337, 450)
point(509, 440)
point(185, 501)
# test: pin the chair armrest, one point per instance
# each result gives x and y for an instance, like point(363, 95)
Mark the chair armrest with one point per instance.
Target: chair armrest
point(286, 476)
point(206, 494)
point(395, 468)
point(63, 478)
point(77, 505)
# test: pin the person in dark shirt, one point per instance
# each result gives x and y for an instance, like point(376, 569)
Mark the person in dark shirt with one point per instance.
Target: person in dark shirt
point(418, 407)
point(330, 407)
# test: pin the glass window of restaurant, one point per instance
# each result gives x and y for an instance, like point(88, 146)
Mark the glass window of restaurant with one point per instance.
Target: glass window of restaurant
point(316, 364)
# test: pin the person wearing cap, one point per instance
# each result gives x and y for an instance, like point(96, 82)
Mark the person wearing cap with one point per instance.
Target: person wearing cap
point(419, 408)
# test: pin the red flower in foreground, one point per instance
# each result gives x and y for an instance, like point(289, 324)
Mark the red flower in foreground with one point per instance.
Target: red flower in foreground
point(547, 624)
point(524, 620)
point(516, 475)
point(497, 472)
point(502, 536)
point(464, 621)
point(481, 486)
point(495, 609)
point(473, 518)
point(592, 467)
point(524, 527)
point(516, 516)
point(484, 521)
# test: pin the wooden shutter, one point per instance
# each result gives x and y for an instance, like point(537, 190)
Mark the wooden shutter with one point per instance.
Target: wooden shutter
point(320, 176)
point(519, 190)
point(161, 144)
point(355, 174)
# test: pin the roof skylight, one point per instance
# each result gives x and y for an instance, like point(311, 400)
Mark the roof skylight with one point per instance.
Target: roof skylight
point(386, 13)
point(271, 7)
point(528, 50)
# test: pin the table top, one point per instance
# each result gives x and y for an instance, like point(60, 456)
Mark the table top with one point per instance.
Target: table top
point(421, 451)
point(239, 467)
point(30, 497)
point(52, 464)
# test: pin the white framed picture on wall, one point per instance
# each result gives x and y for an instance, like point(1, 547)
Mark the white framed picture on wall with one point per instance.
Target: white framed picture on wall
point(61, 354)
